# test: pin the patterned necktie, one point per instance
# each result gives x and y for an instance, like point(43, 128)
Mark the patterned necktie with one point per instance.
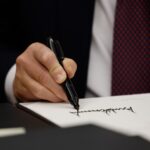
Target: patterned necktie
point(131, 50)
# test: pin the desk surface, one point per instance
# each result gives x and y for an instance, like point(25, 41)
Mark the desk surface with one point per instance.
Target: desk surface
point(42, 135)
point(11, 116)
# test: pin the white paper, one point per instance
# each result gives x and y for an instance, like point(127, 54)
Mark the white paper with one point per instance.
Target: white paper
point(120, 117)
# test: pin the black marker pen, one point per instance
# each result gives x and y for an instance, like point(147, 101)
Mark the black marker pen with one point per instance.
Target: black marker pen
point(67, 84)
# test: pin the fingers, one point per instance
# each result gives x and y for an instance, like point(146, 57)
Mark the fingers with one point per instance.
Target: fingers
point(34, 90)
point(47, 58)
point(39, 74)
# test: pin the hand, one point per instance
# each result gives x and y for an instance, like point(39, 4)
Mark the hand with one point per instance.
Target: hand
point(39, 74)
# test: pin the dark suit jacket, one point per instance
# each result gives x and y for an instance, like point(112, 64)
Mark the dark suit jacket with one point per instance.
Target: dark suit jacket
point(23, 22)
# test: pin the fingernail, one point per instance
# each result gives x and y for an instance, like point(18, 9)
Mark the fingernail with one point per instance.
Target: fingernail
point(60, 77)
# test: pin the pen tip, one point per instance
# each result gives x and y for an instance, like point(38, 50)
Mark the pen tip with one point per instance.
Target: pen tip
point(77, 108)
point(77, 112)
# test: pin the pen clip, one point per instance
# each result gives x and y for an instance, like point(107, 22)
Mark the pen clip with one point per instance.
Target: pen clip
point(57, 49)
point(51, 44)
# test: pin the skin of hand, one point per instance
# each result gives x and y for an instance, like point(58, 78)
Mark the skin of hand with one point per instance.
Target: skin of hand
point(39, 74)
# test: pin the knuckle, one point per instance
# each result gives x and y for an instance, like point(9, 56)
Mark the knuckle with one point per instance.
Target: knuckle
point(35, 46)
point(20, 60)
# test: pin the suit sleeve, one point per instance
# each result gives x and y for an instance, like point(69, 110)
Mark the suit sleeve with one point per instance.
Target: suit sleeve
point(8, 40)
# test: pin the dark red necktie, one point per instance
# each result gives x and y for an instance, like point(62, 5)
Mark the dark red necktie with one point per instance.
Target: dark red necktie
point(131, 50)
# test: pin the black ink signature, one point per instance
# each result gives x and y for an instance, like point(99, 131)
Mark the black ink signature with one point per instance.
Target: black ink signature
point(107, 111)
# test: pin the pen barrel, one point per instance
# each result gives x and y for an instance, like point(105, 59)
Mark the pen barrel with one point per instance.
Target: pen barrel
point(71, 93)
point(67, 85)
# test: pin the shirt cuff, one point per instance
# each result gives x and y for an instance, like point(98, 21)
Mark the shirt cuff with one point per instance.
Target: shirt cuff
point(9, 84)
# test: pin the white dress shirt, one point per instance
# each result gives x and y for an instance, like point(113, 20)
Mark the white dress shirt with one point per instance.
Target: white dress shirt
point(100, 63)
point(99, 72)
